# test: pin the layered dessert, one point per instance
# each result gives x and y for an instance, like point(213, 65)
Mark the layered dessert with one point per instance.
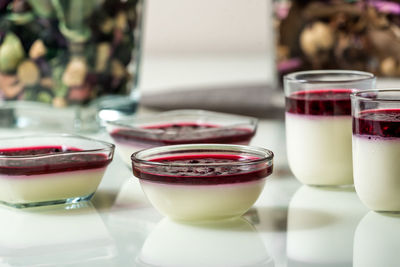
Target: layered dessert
point(37, 175)
point(203, 186)
point(318, 136)
point(376, 154)
point(134, 139)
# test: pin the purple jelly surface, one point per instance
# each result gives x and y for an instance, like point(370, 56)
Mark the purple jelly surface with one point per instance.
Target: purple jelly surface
point(380, 123)
point(184, 133)
point(50, 162)
point(324, 102)
point(203, 174)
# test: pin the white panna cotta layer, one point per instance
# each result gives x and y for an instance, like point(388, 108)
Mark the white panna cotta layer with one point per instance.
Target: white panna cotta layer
point(319, 148)
point(126, 149)
point(23, 189)
point(377, 172)
point(202, 202)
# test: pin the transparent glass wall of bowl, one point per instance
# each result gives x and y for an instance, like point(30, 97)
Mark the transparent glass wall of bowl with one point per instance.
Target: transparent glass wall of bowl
point(68, 57)
point(318, 124)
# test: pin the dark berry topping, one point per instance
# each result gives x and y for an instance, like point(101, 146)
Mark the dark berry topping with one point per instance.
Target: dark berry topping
point(48, 159)
point(203, 170)
point(382, 123)
point(329, 102)
point(33, 151)
point(186, 133)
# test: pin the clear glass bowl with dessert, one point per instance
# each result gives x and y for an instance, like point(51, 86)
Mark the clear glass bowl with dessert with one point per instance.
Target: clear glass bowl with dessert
point(180, 127)
point(40, 170)
point(202, 182)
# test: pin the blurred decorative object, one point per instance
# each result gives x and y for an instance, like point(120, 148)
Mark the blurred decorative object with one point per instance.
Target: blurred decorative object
point(69, 52)
point(338, 34)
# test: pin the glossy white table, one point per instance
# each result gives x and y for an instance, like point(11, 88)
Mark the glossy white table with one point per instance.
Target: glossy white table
point(290, 225)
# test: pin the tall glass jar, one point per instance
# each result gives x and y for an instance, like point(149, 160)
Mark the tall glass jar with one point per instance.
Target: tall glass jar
point(81, 56)
point(318, 124)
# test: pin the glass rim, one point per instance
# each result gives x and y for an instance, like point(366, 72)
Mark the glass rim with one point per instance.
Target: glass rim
point(265, 155)
point(133, 123)
point(181, 113)
point(360, 76)
point(357, 95)
point(107, 146)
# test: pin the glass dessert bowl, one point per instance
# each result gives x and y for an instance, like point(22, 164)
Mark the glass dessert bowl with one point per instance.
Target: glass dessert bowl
point(180, 127)
point(51, 169)
point(202, 182)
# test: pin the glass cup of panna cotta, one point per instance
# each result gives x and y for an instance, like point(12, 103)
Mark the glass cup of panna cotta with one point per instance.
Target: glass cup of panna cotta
point(376, 148)
point(180, 127)
point(48, 169)
point(318, 124)
point(202, 182)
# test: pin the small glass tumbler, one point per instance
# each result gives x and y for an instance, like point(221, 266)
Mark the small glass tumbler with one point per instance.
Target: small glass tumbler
point(318, 124)
point(376, 148)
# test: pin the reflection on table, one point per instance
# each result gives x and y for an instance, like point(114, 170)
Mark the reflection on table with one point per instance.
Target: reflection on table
point(377, 240)
point(228, 243)
point(46, 236)
point(321, 225)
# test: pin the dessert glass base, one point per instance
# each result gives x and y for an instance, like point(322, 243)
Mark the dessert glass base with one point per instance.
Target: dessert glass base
point(71, 200)
point(29, 115)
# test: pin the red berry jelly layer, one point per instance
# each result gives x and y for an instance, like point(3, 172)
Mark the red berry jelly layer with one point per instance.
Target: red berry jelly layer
point(382, 123)
point(184, 133)
point(327, 102)
point(45, 160)
point(200, 172)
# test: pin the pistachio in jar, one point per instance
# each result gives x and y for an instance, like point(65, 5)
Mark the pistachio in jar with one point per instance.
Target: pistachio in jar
point(67, 52)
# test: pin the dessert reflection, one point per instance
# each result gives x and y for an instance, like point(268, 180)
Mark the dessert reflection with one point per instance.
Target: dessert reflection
point(376, 240)
point(67, 235)
point(228, 243)
point(321, 225)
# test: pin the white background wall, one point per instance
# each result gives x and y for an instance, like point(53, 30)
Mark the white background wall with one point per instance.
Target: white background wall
point(191, 42)
point(207, 26)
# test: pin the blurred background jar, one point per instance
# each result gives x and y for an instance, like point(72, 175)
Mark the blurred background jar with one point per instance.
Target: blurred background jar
point(68, 53)
point(338, 34)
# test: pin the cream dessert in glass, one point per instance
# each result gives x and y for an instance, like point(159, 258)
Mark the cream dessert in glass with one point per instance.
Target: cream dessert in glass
point(376, 148)
point(42, 169)
point(202, 182)
point(318, 124)
point(176, 127)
